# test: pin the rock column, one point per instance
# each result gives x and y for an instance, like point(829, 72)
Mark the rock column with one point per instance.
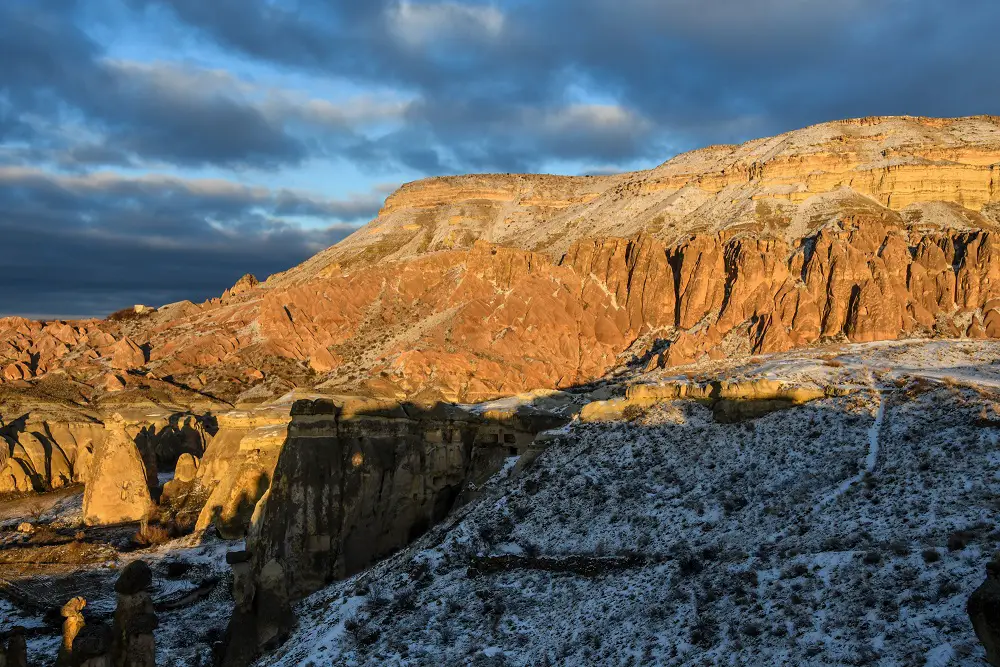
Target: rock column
point(16, 654)
point(984, 611)
point(135, 619)
point(72, 612)
point(262, 615)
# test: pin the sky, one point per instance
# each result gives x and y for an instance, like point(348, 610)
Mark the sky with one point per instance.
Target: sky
point(157, 150)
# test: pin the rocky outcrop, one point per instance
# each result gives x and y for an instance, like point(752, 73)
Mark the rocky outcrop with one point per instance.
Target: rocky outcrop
point(731, 401)
point(355, 480)
point(49, 448)
point(73, 623)
point(984, 612)
point(237, 468)
point(120, 480)
point(472, 287)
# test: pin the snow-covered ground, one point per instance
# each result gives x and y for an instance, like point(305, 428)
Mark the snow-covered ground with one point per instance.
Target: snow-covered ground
point(848, 531)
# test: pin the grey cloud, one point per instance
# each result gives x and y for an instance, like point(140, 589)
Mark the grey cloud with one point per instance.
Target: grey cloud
point(88, 245)
point(700, 72)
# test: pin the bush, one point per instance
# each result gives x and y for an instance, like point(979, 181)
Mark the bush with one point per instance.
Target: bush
point(931, 556)
point(151, 534)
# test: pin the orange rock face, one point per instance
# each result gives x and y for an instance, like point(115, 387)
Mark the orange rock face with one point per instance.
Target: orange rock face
point(467, 288)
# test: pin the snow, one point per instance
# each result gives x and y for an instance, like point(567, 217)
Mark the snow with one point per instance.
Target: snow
point(850, 530)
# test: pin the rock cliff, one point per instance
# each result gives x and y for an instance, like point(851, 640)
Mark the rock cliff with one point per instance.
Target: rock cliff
point(470, 287)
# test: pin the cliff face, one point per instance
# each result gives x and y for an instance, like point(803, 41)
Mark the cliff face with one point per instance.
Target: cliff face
point(358, 479)
point(470, 287)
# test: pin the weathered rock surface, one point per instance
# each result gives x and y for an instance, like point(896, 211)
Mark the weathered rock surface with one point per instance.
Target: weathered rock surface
point(984, 612)
point(73, 623)
point(120, 479)
point(355, 480)
point(359, 478)
point(133, 644)
point(868, 229)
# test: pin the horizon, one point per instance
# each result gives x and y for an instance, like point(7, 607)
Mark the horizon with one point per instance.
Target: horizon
point(156, 150)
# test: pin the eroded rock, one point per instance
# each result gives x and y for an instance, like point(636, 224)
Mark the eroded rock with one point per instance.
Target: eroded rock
point(118, 488)
point(984, 612)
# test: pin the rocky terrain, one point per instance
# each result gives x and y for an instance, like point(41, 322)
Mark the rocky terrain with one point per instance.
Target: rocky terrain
point(846, 530)
point(520, 410)
point(472, 287)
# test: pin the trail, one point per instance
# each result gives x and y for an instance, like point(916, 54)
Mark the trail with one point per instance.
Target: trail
point(870, 460)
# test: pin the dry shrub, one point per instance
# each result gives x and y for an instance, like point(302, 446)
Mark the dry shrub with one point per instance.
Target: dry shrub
point(127, 315)
point(833, 363)
point(151, 534)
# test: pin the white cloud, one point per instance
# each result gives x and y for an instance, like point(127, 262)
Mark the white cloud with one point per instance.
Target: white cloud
point(276, 103)
point(420, 24)
point(603, 118)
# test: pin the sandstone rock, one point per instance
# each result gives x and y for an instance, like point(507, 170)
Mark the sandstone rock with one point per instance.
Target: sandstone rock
point(126, 355)
point(187, 468)
point(73, 623)
point(117, 490)
point(135, 578)
point(244, 284)
point(135, 620)
point(726, 250)
point(112, 383)
point(984, 612)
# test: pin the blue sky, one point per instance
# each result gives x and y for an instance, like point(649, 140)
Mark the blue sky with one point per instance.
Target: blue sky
point(154, 150)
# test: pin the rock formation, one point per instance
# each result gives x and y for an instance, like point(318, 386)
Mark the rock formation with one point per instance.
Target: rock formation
point(16, 653)
point(355, 480)
point(984, 611)
point(135, 620)
point(867, 229)
point(119, 484)
point(237, 467)
point(92, 646)
point(73, 623)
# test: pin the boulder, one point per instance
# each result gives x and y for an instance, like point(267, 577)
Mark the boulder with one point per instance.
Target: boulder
point(126, 355)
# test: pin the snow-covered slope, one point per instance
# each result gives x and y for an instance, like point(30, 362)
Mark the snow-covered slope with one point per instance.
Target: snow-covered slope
point(850, 530)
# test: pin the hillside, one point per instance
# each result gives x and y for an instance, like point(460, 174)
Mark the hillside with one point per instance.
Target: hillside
point(847, 531)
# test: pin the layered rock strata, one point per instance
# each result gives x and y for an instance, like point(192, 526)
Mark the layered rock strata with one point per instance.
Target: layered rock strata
point(471, 287)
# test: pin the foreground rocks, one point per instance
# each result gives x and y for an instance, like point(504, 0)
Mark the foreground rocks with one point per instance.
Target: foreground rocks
point(984, 612)
point(355, 480)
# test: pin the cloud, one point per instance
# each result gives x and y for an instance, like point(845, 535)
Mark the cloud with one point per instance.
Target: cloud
point(90, 244)
point(399, 88)
point(422, 25)
point(700, 72)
